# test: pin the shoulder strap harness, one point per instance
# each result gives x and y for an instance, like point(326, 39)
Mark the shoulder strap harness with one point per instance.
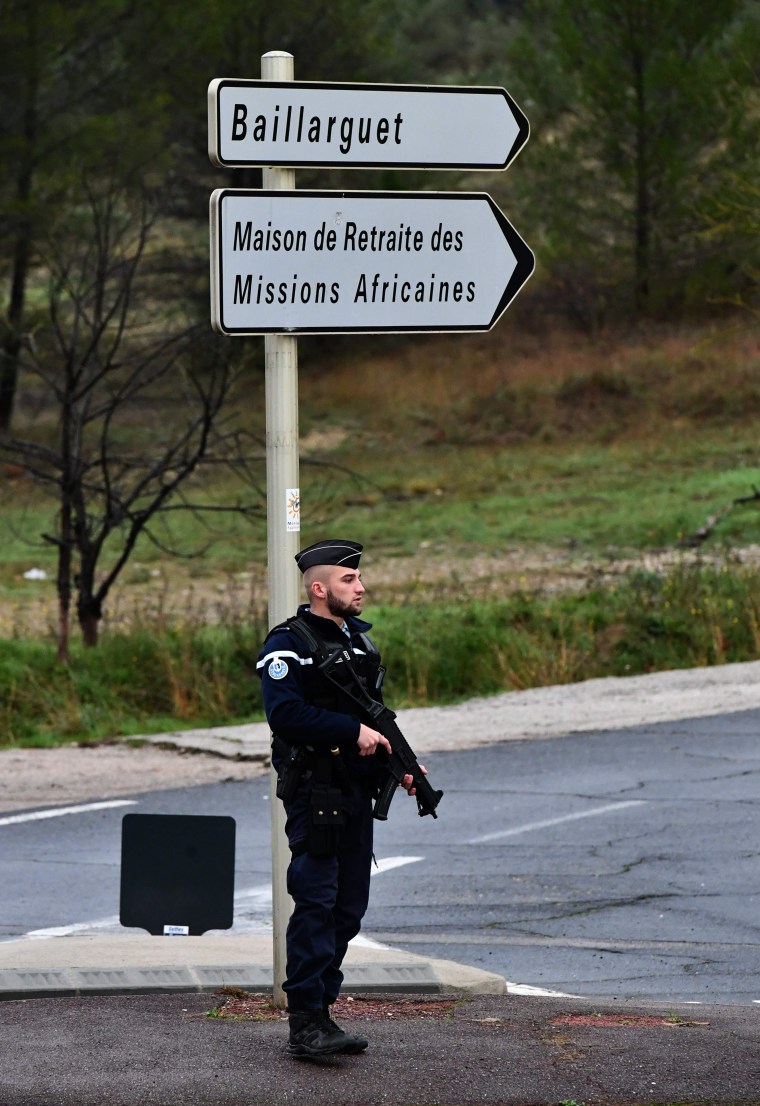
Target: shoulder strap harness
point(317, 646)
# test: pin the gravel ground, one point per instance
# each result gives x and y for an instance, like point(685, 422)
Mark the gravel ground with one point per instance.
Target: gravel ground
point(32, 778)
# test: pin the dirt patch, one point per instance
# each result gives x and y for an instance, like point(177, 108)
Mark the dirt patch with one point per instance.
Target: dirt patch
point(31, 778)
point(248, 1007)
point(166, 594)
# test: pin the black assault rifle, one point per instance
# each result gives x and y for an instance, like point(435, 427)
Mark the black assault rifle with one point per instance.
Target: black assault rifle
point(401, 761)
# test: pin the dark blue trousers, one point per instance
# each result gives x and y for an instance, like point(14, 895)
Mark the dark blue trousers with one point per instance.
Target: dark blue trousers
point(330, 895)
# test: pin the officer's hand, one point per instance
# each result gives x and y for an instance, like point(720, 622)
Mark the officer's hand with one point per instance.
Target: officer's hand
point(369, 740)
point(408, 780)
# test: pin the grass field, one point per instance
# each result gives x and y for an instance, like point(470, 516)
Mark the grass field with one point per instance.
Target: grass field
point(464, 445)
point(520, 463)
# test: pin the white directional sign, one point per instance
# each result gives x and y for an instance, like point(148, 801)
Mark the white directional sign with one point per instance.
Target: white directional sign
point(363, 126)
point(310, 262)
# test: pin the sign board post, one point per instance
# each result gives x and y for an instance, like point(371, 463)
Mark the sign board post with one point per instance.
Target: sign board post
point(283, 525)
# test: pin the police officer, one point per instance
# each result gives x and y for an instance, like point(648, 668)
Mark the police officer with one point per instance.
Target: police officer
point(324, 756)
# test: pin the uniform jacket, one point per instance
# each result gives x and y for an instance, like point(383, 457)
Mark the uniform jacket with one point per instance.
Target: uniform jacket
point(295, 694)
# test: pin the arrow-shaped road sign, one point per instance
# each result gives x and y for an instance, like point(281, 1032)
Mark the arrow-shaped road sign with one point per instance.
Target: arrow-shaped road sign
point(363, 126)
point(337, 262)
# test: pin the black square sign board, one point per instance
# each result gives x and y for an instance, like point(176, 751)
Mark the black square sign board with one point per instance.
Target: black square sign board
point(177, 873)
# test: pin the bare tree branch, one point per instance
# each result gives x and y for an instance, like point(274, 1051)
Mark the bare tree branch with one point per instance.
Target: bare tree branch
point(102, 361)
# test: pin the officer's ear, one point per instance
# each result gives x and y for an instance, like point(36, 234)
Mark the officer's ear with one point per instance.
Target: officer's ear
point(317, 589)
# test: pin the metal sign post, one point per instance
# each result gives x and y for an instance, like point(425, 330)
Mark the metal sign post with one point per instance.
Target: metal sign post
point(283, 524)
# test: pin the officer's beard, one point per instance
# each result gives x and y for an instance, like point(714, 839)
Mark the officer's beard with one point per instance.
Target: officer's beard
point(337, 608)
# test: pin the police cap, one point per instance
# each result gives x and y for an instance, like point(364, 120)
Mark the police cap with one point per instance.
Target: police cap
point(332, 551)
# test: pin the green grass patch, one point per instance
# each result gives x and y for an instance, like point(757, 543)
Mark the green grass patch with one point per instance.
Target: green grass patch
point(631, 495)
point(147, 680)
point(694, 616)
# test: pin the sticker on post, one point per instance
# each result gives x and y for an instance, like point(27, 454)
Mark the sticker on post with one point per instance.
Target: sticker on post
point(293, 508)
point(176, 931)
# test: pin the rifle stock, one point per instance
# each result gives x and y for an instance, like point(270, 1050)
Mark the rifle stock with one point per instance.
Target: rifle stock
point(401, 761)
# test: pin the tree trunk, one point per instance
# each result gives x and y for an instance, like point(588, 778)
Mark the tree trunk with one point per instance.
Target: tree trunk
point(643, 213)
point(63, 584)
point(62, 651)
point(22, 250)
point(89, 606)
point(89, 622)
point(9, 356)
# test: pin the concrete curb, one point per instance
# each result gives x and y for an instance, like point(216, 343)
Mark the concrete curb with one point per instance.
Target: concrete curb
point(115, 964)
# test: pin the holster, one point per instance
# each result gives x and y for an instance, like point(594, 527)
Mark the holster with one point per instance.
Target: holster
point(290, 771)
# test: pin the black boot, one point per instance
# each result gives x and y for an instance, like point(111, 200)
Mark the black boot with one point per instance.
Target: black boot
point(311, 1034)
point(353, 1043)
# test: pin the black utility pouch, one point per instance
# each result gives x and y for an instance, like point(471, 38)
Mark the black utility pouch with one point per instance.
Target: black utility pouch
point(326, 818)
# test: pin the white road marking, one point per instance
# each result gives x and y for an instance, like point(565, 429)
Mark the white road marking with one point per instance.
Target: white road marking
point(536, 992)
point(254, 896)
point(530, 826)
point(394, 862)
point(77, 929)
point(57, 812)
point(369, 943)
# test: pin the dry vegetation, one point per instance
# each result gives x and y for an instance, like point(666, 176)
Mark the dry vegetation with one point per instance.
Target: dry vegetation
point(557, 382)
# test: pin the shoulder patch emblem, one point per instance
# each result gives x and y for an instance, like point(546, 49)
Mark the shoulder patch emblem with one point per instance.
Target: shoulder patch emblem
point(278, 669)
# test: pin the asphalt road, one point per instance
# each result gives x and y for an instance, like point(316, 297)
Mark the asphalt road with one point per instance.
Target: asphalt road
point(599, 864)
